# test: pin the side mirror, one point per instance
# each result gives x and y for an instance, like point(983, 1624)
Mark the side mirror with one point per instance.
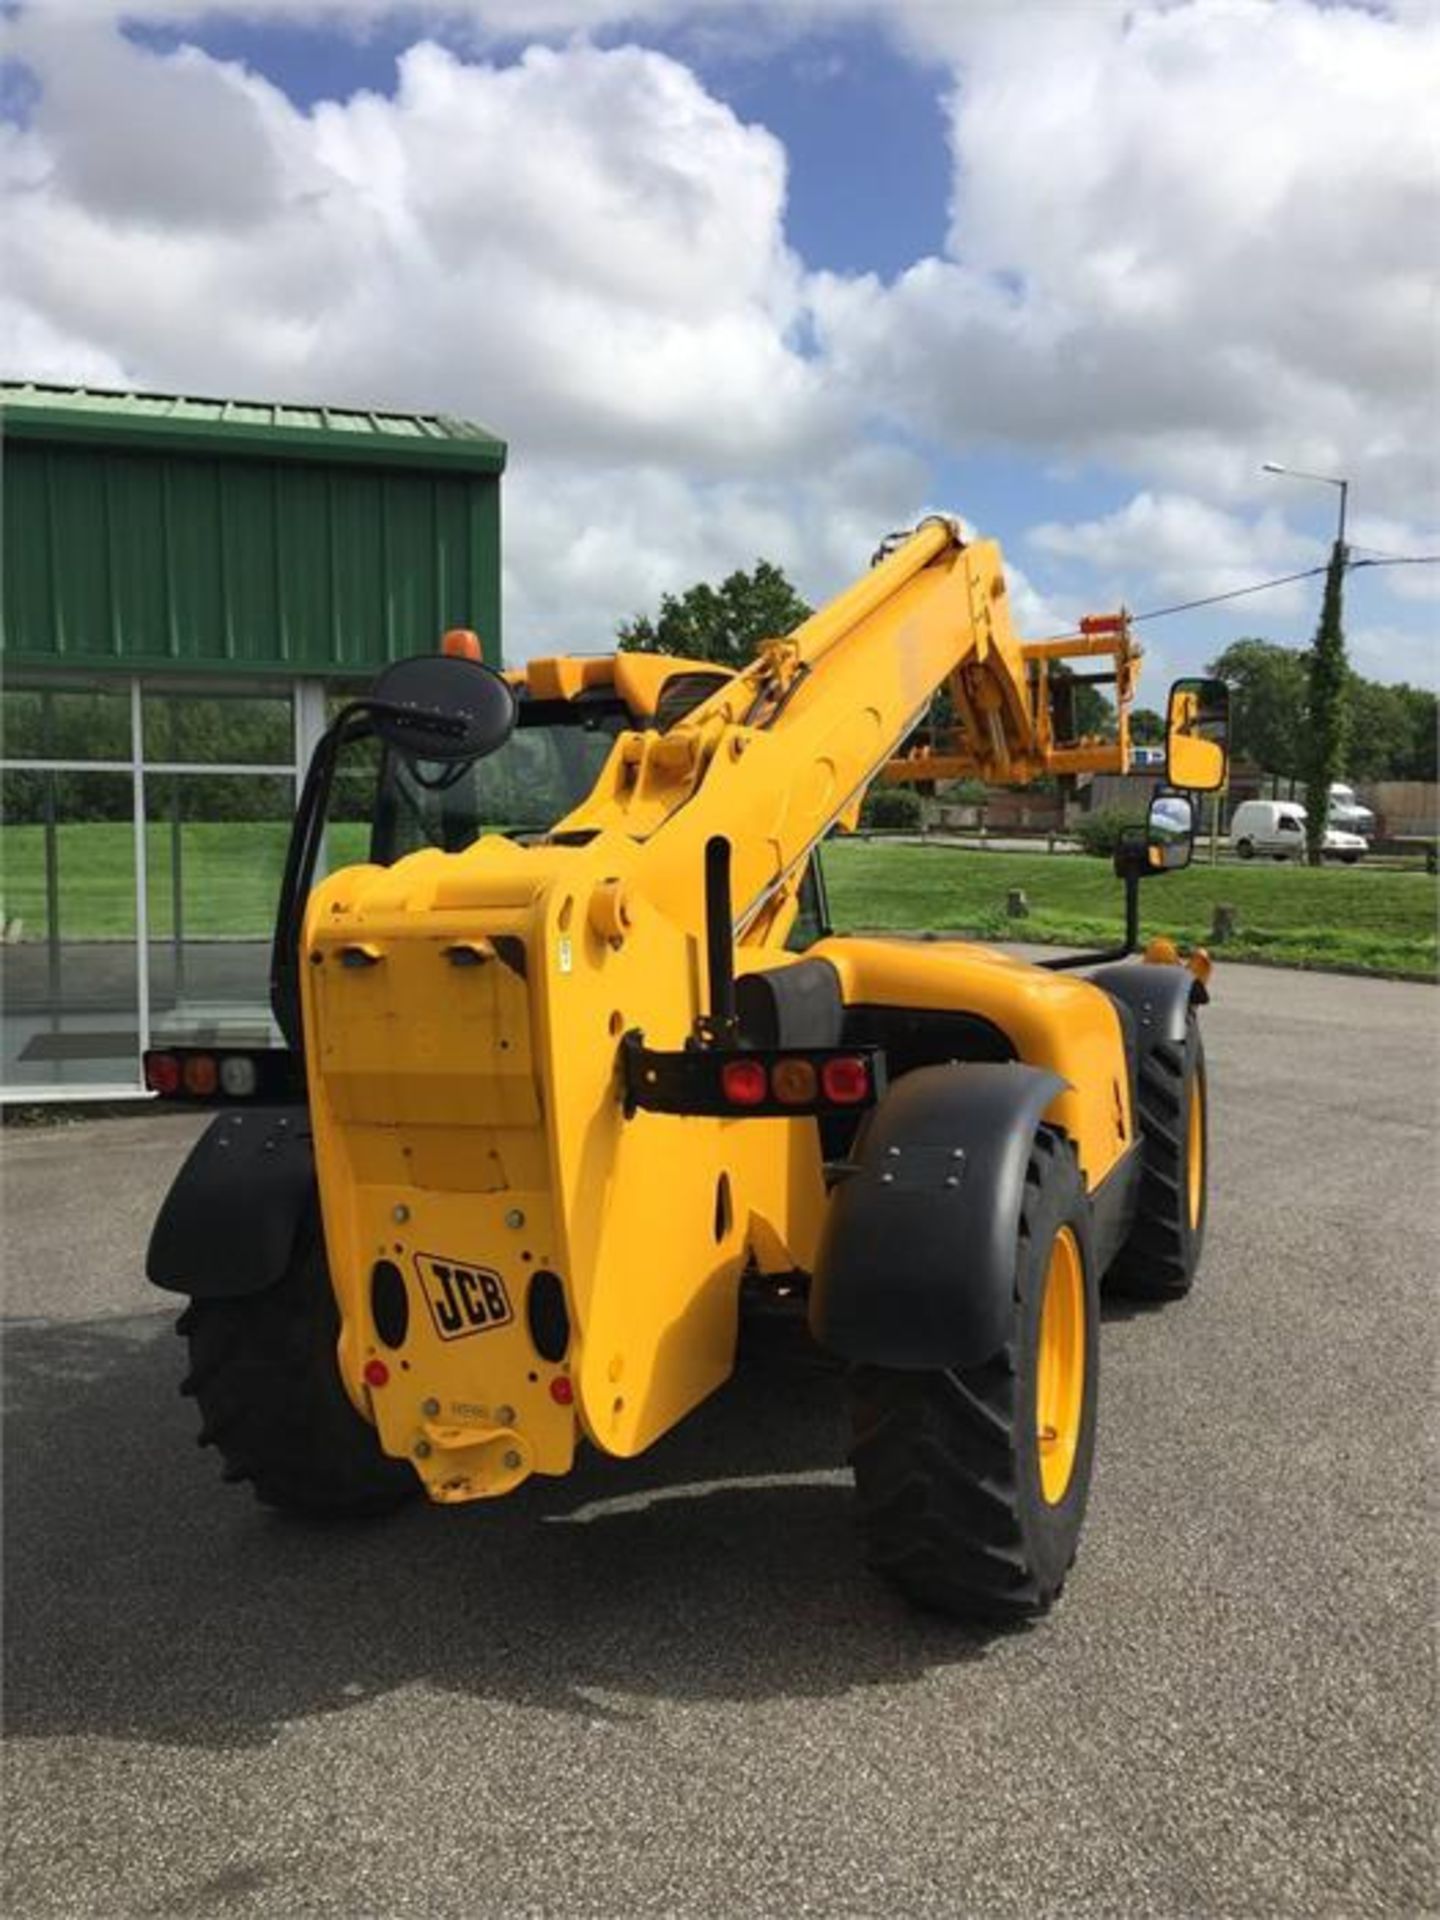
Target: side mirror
point(1197, 735)
point(1169, 832)
point(440, 706)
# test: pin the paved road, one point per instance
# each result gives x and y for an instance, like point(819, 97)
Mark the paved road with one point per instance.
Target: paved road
point(670, 1688)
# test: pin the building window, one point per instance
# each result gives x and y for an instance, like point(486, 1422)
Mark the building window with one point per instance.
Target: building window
point(143, 827)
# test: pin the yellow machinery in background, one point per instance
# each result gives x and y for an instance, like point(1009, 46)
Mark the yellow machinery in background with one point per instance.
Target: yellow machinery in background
point(575, 1061)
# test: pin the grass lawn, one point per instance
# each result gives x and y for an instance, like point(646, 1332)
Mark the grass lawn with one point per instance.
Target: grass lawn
point(1293, 916)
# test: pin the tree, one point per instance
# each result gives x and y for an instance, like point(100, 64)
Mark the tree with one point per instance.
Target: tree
point(1093, 714)
point(1380, 733)
point(1268, 716)
point(1326, 711)
point(725, 623)
point(1422, 710)
point(1147, 728)
point(1392, 730)
point(894, 808)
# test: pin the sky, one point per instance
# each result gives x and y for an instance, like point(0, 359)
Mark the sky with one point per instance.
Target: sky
point(745, 278)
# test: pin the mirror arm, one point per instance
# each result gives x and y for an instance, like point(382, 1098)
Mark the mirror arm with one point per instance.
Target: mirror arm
point(1104, 955)
point(1099, 958)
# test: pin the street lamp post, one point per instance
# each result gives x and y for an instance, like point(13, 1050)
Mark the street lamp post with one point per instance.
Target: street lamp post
point(1326, 479)
point(1325, 730)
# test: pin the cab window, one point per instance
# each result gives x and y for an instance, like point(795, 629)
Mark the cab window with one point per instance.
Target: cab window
point(812, 918)
point(545, 769)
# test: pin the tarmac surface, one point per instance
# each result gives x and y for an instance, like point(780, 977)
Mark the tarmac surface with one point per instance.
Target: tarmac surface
point(670, 1687)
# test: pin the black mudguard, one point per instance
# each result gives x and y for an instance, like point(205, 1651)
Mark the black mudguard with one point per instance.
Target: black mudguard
point(1159, 996)
point(229, 1222)
point(916, 1266)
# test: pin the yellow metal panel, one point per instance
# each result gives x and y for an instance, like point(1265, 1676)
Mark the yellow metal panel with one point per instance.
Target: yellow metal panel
point(1053, 1019)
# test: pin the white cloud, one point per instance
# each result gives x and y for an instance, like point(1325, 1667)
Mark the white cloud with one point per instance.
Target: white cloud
point(1186, 236)
point(1038, 614)
point(1183, 549)
point(1178, 235)
point(37, 349)
point(586, 245)
point(1375, 537)
point(587, 548)
point(1381, 652)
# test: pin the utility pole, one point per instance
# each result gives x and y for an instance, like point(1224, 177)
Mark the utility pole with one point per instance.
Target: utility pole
point(1325, 706)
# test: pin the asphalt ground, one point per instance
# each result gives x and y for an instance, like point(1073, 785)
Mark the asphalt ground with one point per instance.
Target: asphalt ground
point(669, 1686)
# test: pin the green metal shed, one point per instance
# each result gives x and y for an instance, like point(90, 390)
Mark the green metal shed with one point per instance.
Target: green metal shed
point(156, 532)
point(191, 586)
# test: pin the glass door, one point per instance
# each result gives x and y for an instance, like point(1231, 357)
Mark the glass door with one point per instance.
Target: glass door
point(219, 795)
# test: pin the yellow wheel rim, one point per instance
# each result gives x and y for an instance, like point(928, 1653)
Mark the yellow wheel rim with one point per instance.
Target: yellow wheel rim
point(1195, 1153)
point(1060, 1367)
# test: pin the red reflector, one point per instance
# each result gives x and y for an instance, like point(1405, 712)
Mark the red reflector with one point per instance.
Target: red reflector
point(201, 1073)
point(845, 1081)
point(162, 1073)
point(561, 1391)
point(376, 1373)
point(743, 1083)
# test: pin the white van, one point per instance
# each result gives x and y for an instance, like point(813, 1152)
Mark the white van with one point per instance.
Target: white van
point(1277, 828)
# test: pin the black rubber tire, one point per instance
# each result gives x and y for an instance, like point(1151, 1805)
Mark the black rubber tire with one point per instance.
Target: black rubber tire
point(1245, 849)
point(1159, 1259)
point(947, 1468)
point(264, 1375)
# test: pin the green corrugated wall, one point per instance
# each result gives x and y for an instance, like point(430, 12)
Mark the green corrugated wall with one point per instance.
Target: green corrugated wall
point(153, 560)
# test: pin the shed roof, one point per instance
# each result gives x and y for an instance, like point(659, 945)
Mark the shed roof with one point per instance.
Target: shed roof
point(193, 423)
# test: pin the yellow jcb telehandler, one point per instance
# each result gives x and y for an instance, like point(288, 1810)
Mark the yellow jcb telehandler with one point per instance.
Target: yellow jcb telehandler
point(574, 1056)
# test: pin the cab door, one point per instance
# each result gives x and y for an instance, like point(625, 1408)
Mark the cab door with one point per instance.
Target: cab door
point(1288, 842)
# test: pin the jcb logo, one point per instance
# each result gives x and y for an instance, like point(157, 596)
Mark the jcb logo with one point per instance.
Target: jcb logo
point(463, 1300)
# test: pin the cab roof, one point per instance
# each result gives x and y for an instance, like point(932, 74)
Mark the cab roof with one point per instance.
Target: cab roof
point(648, 683)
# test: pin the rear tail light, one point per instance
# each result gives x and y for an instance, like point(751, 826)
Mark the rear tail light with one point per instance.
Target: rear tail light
point(178, 1072)
point(743, 1083)
point(162, 1073)
point(846, 1080)
point(750, 1082)
point(201, 1074)
point(794, 1083)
